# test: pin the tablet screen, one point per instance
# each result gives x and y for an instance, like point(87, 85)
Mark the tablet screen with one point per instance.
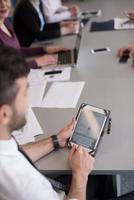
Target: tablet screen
point(88, 128)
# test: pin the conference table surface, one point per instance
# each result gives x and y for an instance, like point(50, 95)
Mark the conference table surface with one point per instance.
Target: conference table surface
point(108, 84)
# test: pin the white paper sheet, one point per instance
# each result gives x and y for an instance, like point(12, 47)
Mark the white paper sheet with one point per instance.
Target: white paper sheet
point(63, 95)
point(37, 85)
point(35, 76)
point(63, 76)
point(122, 23)
point(36, 92)
point(31, 129)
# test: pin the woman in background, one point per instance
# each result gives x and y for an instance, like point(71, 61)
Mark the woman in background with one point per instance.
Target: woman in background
point(29, 23)
point(8, 38)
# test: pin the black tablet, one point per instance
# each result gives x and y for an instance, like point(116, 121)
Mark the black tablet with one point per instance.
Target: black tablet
point(90, 124)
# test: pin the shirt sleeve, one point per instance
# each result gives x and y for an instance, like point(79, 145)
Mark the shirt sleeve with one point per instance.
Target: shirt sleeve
point(63, 8)
point(33, 51)
point(55, 16)
point(59, 16)
point(29, 52)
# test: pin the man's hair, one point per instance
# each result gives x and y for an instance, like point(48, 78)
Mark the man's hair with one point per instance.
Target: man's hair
point(12, 67)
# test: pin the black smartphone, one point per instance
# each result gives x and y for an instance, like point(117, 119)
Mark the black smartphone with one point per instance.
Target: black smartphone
point(124, 58)
point(93, 13)
point(53, 72)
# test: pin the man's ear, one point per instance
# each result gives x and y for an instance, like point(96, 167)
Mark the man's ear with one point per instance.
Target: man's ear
point(5, 114)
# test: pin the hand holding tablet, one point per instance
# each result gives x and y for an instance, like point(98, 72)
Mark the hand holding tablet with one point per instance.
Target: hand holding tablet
point(90, 124)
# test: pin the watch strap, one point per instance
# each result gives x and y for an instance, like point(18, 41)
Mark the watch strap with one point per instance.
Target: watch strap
point(55, 140)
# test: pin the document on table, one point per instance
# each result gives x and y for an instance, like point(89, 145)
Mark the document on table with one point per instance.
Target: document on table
point(123, 23)
point(57, 74)
point(63, 95)
point(37, 85)
point(31, 129)
point(36, 92)
point(38, 80)
point(35, 76)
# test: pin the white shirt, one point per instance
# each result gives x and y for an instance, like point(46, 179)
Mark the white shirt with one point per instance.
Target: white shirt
point(54, 11)
point(19, 180)
point(36, 4)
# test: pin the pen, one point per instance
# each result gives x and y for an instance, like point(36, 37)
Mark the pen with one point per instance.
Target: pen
point(53, 72)
point(129, 21)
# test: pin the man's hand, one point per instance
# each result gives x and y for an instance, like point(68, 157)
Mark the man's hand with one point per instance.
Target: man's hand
point(69, 27)
point(122, 50)
point(81, 162)
point(54, 49)
point(74, 10)
point(65, 134)
point(130, 15)
point(68, 23)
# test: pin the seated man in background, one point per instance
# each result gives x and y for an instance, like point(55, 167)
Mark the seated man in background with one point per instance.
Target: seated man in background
point(55, 11)
point(29, 23)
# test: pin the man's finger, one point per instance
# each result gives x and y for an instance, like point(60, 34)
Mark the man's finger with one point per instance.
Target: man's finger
point(72, 151)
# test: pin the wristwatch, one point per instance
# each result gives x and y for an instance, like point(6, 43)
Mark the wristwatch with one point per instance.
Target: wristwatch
point(55, 140)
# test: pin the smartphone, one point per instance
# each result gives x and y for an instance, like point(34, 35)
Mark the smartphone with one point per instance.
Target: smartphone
point(52, 72)
point(100, 50)
point(124, 58)
point(95, 13)
point(90, 124)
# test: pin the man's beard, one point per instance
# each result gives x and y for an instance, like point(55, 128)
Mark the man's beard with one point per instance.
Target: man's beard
point(17, 120)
